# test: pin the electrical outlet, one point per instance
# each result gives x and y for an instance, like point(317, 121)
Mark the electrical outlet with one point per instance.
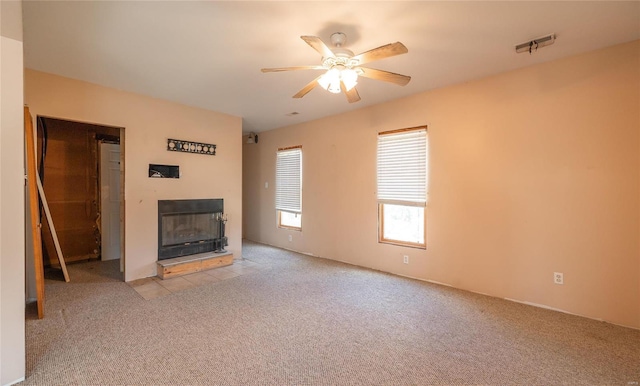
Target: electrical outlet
point(406, 259)
point(290, 238)
point(266, 185)
point(558, 278)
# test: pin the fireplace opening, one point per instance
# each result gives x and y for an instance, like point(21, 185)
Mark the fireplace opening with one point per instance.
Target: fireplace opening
point(187, 227)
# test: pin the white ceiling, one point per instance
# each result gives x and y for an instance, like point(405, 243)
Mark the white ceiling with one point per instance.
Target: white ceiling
point(209, 53)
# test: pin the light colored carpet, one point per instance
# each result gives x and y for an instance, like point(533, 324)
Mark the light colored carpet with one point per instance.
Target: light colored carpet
point(310, 321)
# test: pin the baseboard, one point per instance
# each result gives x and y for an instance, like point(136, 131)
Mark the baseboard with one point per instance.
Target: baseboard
point(569, 313)
point(462, 289)
point(15, 382)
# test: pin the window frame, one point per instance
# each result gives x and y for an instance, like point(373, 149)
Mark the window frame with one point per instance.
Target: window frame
point(383, 240)
point(382, 202)
point(279, 211)
point(285, 226)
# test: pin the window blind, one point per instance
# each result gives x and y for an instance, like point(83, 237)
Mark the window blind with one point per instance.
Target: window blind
point(402, 167)
point(289, 180)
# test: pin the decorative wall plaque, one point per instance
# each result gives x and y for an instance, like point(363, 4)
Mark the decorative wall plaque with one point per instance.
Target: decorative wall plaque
point(191, 147)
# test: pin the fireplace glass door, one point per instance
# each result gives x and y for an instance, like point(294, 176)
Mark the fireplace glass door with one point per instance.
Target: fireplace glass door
point(186, 228)
point(189, 227)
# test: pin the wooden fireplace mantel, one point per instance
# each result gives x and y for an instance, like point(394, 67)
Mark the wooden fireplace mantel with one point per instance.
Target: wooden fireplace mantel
point(185, 265)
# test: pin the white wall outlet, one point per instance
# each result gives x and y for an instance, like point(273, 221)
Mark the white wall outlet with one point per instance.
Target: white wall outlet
point(266, 185)
point(558, 278)
point(290, 238)
point(406, 259)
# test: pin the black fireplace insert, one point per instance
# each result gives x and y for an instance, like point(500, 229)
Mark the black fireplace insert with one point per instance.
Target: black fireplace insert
point(188, 227)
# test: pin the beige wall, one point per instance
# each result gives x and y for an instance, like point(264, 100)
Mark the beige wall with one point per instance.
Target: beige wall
point(148, 122)
point(531, 172)
point(12, 283)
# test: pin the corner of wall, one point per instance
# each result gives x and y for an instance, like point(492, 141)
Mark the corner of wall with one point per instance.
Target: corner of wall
point(12, 284)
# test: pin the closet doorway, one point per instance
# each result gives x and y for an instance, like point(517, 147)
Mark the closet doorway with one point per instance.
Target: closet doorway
point(81, 166)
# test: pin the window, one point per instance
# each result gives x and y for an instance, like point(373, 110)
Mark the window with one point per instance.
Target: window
point(402, 186)
point(289, 187)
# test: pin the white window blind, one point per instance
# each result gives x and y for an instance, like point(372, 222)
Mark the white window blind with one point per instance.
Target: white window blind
point(402, 167)
point(289, 180)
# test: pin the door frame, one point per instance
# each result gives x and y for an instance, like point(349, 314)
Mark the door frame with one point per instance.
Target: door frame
point(122, 204)
point(122, 182)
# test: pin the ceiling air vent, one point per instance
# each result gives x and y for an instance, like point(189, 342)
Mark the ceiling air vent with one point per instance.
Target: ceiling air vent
point(533, 45)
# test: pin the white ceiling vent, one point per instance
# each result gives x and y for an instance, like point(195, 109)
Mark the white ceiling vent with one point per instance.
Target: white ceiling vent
point(533, 45)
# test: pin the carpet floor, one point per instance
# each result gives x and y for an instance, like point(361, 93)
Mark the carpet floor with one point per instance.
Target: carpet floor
point(311, 321)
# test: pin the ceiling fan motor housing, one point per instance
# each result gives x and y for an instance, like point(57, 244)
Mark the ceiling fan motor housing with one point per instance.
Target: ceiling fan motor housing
point(342, 52)
point(338, 39)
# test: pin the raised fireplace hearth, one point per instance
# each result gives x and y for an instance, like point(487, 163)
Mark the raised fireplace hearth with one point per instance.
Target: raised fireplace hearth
point(188, 227)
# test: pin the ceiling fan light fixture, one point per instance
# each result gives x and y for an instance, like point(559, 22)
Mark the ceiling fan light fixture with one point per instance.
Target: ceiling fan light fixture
point(325, 80)
point(334, 87)
point(349, 78)
point(330, 81)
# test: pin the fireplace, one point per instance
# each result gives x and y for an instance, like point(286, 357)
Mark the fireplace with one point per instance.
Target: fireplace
point(188, 227)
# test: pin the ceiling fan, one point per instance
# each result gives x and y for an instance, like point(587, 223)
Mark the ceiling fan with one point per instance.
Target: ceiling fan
point(342, 68)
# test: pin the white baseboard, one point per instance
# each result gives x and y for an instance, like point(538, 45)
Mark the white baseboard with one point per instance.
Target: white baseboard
point(14, 382)
point(462, 289)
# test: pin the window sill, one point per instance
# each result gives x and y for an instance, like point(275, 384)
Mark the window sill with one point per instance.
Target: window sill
point(403, 244)
point(290, 228)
